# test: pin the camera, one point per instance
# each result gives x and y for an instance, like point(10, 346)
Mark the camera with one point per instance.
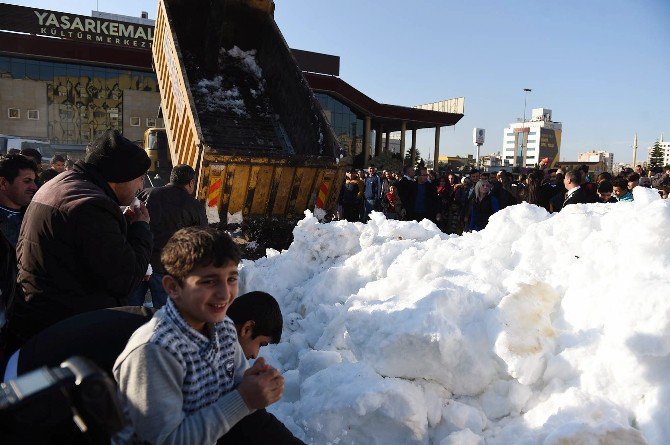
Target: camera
point(76, 402)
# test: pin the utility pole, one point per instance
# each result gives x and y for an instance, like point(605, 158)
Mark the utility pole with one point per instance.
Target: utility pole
point(520, 153)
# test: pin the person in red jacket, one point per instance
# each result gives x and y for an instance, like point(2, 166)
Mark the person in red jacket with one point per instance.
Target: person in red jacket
point(393, 204)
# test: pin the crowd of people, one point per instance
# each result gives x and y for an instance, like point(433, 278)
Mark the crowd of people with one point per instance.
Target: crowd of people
point(81, 249)
point(83, 244)
point(464, 201)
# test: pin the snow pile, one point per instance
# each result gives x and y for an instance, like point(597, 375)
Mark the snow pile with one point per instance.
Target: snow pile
point(551, 329)
point(217, 98)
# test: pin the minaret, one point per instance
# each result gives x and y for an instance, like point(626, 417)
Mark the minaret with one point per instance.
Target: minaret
point(634, 151)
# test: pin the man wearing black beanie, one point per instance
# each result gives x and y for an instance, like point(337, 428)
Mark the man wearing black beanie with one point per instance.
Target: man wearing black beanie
point(77, 250)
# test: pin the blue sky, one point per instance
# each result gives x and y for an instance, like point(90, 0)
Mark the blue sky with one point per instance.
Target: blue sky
point(601, 66)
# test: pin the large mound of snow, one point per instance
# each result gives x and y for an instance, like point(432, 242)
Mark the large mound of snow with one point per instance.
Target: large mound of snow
point(540, 329)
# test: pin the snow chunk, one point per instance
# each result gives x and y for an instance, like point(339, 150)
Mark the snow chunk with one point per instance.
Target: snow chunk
point(319, 213)
point(527, 339)
point(235, 218)
point(248, 59)
point(218, 99)
point(213, 215)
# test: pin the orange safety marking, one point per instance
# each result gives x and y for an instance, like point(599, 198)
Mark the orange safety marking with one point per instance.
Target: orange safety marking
point(215, 186)
point(321, 197)
point(214, 193)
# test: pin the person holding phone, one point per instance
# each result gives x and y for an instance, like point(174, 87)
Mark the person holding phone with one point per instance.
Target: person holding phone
point(172, 207)
point(77, 250)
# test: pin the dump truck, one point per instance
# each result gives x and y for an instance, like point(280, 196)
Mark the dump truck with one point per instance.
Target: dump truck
point(237, 108)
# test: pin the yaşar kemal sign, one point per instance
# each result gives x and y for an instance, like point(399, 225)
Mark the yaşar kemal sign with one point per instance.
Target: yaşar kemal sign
point(75, 27)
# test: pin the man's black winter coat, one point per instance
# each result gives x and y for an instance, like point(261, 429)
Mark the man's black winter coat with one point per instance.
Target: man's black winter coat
point(171, 208)
point(579, 196)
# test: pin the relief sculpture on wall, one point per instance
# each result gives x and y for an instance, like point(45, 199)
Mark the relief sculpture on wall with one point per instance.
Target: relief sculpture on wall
point(80, 108)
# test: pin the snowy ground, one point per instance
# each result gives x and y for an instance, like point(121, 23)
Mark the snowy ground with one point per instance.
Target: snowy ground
point(541, 329)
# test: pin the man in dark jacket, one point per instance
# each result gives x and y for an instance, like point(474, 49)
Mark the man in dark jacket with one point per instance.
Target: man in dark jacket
point(171, 207)
point(575, 194)
point(57, 166)
point(17, 188)
point(589, 189)
point(425, 197)
point(502, 194)
point(77, 251)
point(407, 192)
point(372, 189)
point(34, 155)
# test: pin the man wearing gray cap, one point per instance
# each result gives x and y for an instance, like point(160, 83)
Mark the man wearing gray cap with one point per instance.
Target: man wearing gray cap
point(77, 250)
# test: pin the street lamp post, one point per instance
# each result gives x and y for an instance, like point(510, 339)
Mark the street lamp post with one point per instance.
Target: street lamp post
point(519, 158)
point(478, 139)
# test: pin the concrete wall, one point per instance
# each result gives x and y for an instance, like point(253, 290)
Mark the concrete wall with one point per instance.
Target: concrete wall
point(24, 95)
point(142, 105)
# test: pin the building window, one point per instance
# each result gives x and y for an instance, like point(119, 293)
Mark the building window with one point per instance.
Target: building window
point(13, 113)
point(532, 141)
point(134, 121)
point(348, 126)
point(151, 122)
point(34, 115)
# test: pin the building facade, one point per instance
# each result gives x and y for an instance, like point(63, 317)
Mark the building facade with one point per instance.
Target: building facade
point(605, 157)
point(71, 103)
point(494, 162)
point(526, 143)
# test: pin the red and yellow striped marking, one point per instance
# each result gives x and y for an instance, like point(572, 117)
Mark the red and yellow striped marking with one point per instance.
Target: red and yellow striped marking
point(214, 192)
point(323, 194)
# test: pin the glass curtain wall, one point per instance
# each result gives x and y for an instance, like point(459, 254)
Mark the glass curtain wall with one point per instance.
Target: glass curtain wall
point(347, 125)
point(83, 101)
point(521, 146)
